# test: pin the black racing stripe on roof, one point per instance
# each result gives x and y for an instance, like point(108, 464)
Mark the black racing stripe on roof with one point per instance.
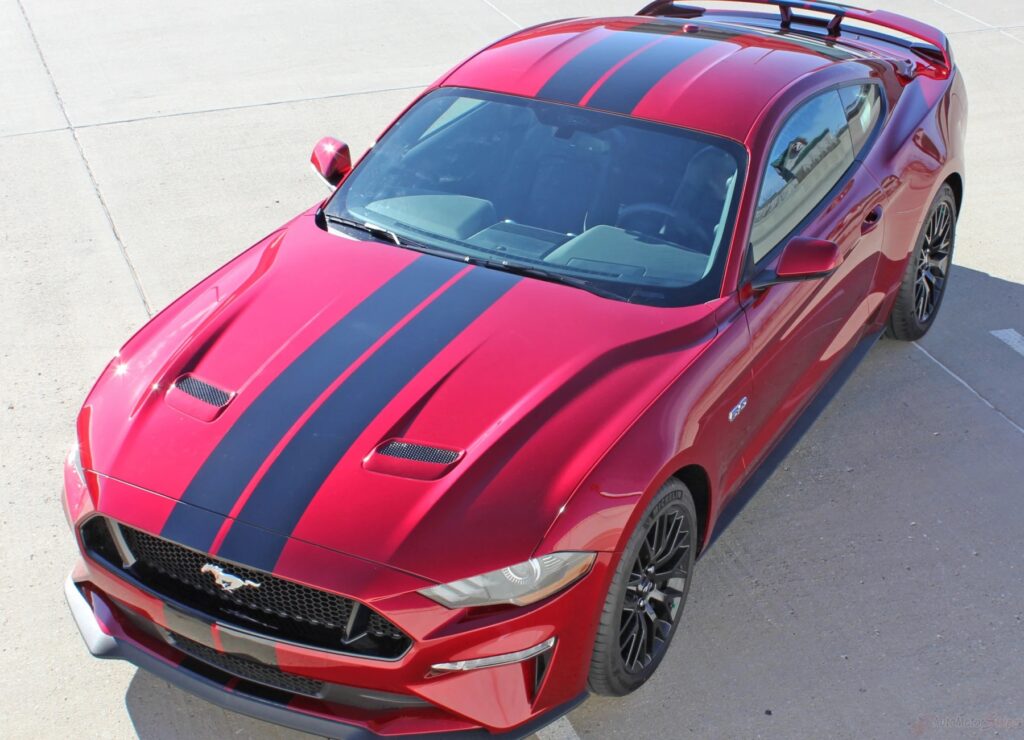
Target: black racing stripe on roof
point(572, 81)
point(629, 84)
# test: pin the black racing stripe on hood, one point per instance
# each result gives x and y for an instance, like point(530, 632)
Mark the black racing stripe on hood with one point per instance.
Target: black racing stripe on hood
point(289, 486)
point(227, 471)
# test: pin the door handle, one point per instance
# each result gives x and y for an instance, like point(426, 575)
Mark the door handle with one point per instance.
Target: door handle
point(872, 220)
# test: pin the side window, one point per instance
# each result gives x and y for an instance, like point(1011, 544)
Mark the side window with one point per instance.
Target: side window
point(863, 105)
point(808, 157)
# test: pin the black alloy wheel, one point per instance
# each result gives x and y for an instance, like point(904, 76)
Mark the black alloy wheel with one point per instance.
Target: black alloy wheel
point(933, 262)
point(645, 601)
point(926, 277)
point(655, 590)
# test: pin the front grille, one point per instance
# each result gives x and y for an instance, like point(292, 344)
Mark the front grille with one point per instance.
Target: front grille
point(202, 390)
point(251, 670)
point(419, 453)
point(273, 596)
point(377, 626)
point(277, 608)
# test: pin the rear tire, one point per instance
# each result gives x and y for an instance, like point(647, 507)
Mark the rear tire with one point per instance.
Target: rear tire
point(927, 273)
point(645, 600)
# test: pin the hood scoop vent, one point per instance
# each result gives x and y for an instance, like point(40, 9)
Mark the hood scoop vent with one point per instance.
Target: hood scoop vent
point(411, 459)
point(203, 391)
point(420, 453)
point(197, 398)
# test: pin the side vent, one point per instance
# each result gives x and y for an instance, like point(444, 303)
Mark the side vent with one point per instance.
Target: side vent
point(409, 459)
point(197, 398)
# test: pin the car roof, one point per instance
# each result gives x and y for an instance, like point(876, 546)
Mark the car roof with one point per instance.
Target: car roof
point(714, 76)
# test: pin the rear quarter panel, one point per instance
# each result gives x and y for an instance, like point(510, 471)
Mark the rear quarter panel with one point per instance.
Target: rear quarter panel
point(920, 147)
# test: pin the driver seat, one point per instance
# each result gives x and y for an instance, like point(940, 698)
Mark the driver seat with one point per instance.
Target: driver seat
point(700, 199)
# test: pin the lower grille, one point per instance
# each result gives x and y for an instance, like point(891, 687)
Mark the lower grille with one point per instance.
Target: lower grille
point(276, 608)
point(250, 670)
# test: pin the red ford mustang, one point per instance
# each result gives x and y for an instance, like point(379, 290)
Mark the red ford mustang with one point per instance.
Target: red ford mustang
point(438, 455)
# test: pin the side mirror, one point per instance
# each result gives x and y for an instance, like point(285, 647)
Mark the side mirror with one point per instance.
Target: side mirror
point(802, 259)
point(331, 160)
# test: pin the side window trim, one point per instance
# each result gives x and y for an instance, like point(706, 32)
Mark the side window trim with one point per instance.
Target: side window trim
point(750, 268)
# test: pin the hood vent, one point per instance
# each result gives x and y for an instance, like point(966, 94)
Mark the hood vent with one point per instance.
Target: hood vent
point(203, 391)
point(408, 459)
point(419, 453)
point(197, 398)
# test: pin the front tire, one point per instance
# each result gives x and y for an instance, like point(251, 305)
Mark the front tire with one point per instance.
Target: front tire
point(645, 601)
point(927, 274)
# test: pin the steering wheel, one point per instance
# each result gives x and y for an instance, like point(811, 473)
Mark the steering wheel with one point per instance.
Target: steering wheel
point(680, 220)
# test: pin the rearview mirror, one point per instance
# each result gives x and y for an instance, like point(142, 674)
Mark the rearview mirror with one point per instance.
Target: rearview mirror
point(331, 160)
point(802, 259)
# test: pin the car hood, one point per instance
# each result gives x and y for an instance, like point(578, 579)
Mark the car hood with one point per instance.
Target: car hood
point(263, 395)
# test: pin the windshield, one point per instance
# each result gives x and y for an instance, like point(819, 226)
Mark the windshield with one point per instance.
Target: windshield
point(638, 211)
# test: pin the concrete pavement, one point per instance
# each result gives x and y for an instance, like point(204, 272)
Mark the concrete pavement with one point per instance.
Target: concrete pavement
point(872, 588)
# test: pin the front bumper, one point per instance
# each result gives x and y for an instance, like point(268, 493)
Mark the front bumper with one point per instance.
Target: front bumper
point(102, 644)
point(363, 697)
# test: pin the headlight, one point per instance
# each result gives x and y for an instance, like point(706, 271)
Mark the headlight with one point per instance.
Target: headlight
point(520, 584)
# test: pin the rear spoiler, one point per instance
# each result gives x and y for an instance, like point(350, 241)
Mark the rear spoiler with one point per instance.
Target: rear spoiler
point(935, 48)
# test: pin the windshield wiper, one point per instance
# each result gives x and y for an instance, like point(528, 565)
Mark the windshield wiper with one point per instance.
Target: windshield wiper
point(370, 228)
point(552, 277)
point(384, 234)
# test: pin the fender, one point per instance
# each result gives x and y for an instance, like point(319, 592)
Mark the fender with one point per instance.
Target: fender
point(687, 424)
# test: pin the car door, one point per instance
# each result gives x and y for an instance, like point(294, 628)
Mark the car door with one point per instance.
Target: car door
point(812, 186)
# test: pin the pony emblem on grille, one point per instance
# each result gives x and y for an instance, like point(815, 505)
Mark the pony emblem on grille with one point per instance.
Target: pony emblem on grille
point(227, 581)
